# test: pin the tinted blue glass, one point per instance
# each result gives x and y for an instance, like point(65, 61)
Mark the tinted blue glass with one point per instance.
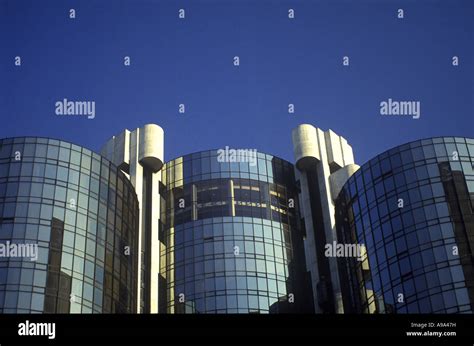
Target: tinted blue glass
point(421, 266)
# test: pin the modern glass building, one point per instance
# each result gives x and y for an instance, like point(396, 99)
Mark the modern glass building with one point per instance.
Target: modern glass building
point(230, 236)
point(411, 208)
point(235, 231)
point(80, 213)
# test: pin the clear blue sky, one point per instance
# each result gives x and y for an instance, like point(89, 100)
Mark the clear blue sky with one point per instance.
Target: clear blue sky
point(283, 61)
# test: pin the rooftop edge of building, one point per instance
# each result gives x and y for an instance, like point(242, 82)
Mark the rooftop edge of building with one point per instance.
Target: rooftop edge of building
point(150, 152)
point(311, 145)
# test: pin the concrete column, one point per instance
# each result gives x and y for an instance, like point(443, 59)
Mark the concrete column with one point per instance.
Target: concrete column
point(133, 152)
point(318, 155)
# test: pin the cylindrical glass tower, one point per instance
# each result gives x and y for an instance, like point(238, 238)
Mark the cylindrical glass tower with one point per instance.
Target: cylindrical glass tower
point(68, 226)
point(231, 236)
point(411, 211)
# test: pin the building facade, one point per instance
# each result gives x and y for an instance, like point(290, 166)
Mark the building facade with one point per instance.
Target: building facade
point(412, 210)
point(231, 237)
point(68, 230)
point(139, 155)
point(324, 161)
point(236, 231)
